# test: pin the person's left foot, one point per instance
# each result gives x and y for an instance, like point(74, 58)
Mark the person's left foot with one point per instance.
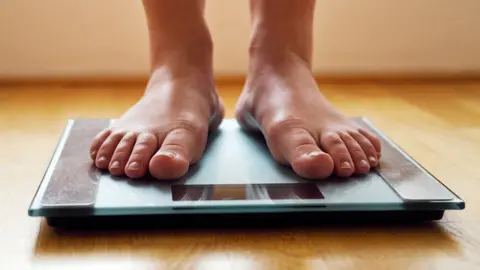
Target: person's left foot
point(301, 127)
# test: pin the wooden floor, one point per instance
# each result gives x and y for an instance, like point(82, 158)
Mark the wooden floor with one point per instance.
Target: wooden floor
point(438, 124)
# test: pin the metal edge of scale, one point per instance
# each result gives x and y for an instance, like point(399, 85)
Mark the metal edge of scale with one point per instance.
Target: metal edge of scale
point(71, 190)
point(404, 175)
point(67, 189)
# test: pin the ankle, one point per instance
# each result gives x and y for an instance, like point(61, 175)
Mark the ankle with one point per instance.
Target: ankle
point(178, 34)
point(269, 62)
point(182, 72)
point(278, 50)
point(187, 66)
point(265, 62)
point(276, 57)
point(183, 53)
point(186, 55)
point(282, 29)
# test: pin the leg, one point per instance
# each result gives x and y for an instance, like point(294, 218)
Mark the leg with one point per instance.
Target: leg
point(301, 127)
point(166, 130)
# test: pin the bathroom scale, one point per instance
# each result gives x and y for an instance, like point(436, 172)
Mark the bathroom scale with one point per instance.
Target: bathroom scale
point(236, 182)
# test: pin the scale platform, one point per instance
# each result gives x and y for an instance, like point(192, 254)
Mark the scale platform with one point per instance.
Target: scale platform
point(238, 183)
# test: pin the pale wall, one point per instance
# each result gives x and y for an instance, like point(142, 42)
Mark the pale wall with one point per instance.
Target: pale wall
point(108, 37)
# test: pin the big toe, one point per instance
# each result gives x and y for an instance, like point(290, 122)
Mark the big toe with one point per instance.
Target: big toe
point(181, 148)
point(313, 164)
point(168, 165)
point(296, 146)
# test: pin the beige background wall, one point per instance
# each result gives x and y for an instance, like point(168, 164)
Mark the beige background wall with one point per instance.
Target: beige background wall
point(108, 37)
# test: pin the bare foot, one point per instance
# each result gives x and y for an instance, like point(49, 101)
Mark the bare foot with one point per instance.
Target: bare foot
point(281, 98)
point(164, 132)
point(301, 127)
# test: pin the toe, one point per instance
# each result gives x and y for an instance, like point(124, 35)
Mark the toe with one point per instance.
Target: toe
point(97, 142)
point(356, 152)
point(218, 116)
point(336, 148)
point(143, 150)
point(105, 151)
point(122, 154)
point(368, 148)
point(313, 163)
point(374, 140)
point(297, 147)
point(180, 148)
point(166, 165)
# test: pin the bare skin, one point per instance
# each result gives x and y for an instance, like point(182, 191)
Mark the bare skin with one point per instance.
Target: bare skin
point(302, 128)
point(166, 131)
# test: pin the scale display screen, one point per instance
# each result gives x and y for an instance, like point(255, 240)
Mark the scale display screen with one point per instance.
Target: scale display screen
point(243, 192)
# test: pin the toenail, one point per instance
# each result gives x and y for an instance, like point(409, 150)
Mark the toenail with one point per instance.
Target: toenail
point(134, 166)
point(168, 154)
point(102, 159)
point(129, 135)
point(115, 164)
point(372, 159)
point(313, 154)
point(345, 165)
point(364, 163)
point(93, 153)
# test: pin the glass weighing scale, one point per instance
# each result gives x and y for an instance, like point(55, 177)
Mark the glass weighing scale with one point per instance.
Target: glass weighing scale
point(236, 182)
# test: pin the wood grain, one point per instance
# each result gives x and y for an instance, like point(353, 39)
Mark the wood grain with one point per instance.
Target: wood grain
point(414, 76)
point(438, 124)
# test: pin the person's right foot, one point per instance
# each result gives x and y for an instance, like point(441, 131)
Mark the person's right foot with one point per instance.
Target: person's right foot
point(166, 130)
